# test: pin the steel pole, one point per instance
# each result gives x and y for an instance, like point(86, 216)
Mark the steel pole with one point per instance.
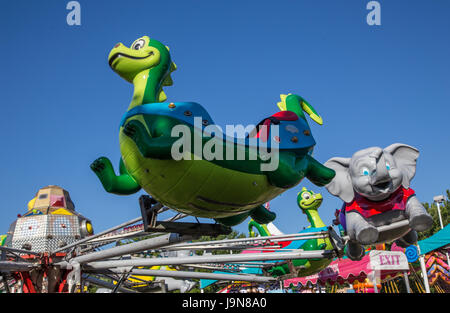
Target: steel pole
point(98, 235)
point(13, 250)
point(137, 233)
point(249, 241)
point(319, 254)
point(424, 271)
point(439, 213)
point(196, 275)
point(10, 266)
point(405, 276)
point(374, 281)
point(442, 226)
point(130, 248)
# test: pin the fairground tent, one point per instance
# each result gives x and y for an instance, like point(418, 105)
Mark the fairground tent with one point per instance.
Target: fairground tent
point(441, 239)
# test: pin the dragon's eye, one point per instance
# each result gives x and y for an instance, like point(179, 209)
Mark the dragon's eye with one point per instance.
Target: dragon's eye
point(388, 166)
point(306, 196)
point(365, 171)
point(138, 44)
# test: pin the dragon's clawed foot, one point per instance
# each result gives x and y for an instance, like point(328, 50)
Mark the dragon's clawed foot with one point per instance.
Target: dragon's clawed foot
point(138, 133)
point(99, 164)
point(130, 130)
point(123, 184)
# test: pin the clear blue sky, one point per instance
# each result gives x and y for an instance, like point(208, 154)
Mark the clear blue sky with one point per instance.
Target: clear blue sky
point(373, 85)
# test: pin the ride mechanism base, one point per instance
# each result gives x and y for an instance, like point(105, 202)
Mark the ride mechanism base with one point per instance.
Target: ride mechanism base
point(149, 210)
point(70, 268)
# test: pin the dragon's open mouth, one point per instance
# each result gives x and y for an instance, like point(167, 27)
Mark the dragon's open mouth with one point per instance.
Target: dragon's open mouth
point(119, 54)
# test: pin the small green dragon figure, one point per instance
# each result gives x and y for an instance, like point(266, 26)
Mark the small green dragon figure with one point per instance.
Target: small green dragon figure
point(309, 202)
point(228, 189)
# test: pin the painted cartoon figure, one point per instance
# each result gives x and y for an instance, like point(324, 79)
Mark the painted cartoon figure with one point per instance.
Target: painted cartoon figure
point(309, 202)
point(375, 186)
point(226, 190)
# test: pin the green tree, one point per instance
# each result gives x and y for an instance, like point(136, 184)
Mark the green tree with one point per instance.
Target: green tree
point(232, 235)
point(433, 211)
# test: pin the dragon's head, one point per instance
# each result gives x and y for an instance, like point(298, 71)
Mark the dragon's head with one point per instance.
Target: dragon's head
point(144, 54)
point(308, 200)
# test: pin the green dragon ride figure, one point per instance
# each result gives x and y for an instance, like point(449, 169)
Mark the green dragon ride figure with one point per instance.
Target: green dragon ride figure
point(226, 189)
point(309, 202)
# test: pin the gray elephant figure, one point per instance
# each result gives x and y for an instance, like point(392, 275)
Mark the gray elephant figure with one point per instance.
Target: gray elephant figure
point(375, 186)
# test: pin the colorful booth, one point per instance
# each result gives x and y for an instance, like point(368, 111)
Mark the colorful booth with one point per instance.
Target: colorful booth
point(385, 264)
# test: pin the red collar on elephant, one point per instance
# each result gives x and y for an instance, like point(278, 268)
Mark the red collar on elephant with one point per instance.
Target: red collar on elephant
point(367, 208)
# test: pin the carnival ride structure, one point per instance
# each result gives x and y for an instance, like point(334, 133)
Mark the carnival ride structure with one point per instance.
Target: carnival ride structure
point(52, 248)
point(82, 258)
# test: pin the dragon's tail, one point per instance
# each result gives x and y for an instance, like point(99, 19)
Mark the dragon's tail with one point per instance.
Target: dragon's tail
point(262, 229)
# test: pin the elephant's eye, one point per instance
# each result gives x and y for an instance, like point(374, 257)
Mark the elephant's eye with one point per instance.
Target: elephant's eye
point(365, 171)
point(388, 166)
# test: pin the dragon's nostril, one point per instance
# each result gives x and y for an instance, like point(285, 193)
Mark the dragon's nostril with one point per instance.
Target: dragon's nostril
point(117, 45)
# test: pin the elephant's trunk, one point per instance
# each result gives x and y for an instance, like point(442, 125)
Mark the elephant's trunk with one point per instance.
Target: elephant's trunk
point(381, 176)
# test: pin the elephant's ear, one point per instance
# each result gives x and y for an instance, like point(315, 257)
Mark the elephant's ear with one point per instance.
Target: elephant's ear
point(406, 158)
point(341, 185)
